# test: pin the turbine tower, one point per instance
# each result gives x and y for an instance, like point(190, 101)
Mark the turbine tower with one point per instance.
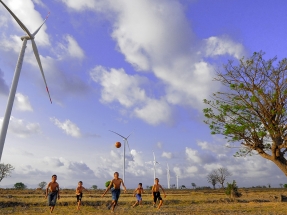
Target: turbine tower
point(13, 89)
point(154, 163)
point(125, 142)
point(168, 176)
point(176, 181)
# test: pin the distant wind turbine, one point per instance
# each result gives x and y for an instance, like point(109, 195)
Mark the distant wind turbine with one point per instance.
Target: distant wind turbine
point(154, 162)
point(176, 181)
point(125, 143)
point(168, 176)
point(13, 89)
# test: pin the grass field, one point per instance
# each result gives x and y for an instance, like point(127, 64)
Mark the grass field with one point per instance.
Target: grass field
point(253, 201)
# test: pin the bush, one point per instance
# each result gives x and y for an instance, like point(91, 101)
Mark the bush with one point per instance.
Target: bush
point(232, 190)
point(108, 184)
point(285, 185)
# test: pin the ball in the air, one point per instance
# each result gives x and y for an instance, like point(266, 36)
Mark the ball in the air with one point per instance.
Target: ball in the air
point(118, 145)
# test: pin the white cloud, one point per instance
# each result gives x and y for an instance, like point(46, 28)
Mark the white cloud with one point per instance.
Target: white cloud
point(119, 86)
point(22, 102)
point(167, 155)
point(169, 50)
point(69, 127)
point(126, 89)
point(21, 128)
point(159, 145)
point(224, 45)
point(73, 48)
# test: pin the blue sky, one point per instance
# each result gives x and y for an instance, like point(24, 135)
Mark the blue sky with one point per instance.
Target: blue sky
point(140, 67)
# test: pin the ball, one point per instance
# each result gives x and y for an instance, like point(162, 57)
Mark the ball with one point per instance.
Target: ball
point(118, 145)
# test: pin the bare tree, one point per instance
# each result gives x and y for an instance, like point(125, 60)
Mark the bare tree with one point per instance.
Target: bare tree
point(221, 175)
point(5, 170)
point(211, 178)
point(42, 184)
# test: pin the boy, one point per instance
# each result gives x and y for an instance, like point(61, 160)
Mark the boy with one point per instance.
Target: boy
point(79, 193)
point(138, 194)
point(156, 193)
point(52, 191)
point(116, 182)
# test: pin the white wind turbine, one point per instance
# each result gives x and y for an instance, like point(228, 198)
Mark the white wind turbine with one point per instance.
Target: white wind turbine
point(11, 96)
point(177, 181)
point(168, 176)
point(125, 142)
point(154, 162)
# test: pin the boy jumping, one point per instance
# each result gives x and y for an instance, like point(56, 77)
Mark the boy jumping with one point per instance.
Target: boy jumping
point(138, 194)
point(156, 193)
point(52, 192)
point(115, 183)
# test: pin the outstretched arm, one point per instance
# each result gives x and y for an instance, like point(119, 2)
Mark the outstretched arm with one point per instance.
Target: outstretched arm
point(109, 187)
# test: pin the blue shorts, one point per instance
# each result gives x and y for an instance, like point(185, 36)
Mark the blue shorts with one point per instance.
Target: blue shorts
point(116, 194)
point(139, 197)
point(52, 198)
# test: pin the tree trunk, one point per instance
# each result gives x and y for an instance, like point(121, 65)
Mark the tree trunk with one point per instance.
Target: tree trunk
point(279, 161)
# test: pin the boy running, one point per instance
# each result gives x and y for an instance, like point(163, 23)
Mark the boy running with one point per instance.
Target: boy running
point(52, 192)
point(156, 193)
point(79, 193)
point(138, 194)
point(115, 183)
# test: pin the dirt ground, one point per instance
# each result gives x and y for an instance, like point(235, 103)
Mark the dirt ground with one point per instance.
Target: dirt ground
point(253, 201)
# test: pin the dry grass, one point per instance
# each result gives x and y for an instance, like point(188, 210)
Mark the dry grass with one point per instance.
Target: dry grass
point(253, 201)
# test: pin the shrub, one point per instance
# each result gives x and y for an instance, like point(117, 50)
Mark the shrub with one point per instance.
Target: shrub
point(232, 190)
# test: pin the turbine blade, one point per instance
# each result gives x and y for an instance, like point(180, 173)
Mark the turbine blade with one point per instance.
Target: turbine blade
point(129, 135)
point(34, 34)
point(17, 20)
point(129, 149)
point(35, 49)
point(118, 134)
point(153, 156)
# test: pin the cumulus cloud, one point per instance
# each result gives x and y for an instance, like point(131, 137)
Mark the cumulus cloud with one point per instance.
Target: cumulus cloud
point(222, 46)
point(170, 51)
point(21, 128)
point(167, 155)
point(22, 102)
point(69, 48)
point(126, 89)
point(67, 126)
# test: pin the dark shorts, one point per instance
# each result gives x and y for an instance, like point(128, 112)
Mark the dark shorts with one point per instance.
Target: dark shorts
point(116, 194)
point(52, 198)
point(156, 196)
point(79, 197)
point(139, 197)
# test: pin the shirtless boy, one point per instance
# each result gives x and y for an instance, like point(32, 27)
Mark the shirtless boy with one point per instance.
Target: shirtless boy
point(79, 193)
point(138, 194)
point(52, 192)
point(116, 183)
point(156, 193)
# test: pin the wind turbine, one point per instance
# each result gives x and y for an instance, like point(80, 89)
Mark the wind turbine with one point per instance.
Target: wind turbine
point(168, 176)
point(125, 142)
point(154, 162)
point(176, 181)
point(11, 96)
